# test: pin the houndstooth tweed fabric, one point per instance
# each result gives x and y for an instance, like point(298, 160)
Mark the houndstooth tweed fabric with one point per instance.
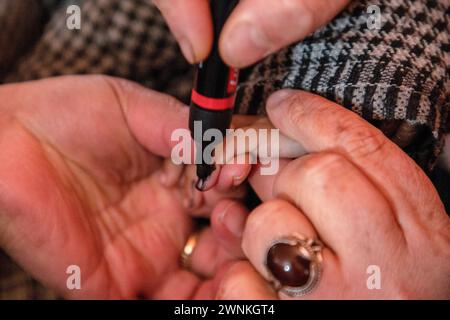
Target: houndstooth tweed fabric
point(127, 39)
point(391, 76)
point(399, 72)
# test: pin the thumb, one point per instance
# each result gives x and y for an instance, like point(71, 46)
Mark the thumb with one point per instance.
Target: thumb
point(258, 28)
point(152, 117)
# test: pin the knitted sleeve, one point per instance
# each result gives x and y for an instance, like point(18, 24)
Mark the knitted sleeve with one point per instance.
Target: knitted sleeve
point(396, 77)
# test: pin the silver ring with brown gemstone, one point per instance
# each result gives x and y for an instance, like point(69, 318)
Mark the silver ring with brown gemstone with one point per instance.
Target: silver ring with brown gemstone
point(295, 265)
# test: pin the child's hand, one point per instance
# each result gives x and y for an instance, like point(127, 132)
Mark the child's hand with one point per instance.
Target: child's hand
point(198, 203)
point(224, 208)
point(234, 165)
point(221, 200)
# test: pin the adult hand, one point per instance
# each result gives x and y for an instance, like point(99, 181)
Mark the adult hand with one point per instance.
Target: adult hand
point(368, 202)
point(255, 29)
point(79, 185)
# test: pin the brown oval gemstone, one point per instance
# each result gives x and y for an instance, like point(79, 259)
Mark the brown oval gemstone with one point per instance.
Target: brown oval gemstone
point(287, 265)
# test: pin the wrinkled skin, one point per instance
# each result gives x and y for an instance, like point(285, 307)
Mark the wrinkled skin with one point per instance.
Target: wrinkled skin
point(79, 186)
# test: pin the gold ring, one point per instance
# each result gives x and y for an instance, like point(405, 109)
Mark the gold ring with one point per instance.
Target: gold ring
point(188, 250)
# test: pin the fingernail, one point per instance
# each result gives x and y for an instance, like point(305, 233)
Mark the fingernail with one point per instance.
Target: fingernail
point(237, 181)
point(245, 44)
point(279, 97)
point(287, 265)
point(197, 197)
point(233, 220)
point(187, 49)
point(204, 173)
point(201, 184)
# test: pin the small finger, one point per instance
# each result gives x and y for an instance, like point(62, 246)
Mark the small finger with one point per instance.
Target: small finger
point(185, 282)
point(260, 140)
point(171, 173)
point(263, 185)
point(212, 197)
point(208, 255)
point(227, 222)
point(192, 198)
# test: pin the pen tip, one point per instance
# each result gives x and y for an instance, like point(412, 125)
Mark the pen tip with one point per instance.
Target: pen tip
point(204, 172)
point(201, 184)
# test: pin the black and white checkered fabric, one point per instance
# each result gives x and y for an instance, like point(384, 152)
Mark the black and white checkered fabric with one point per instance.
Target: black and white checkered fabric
point(20, 23)
point(127, 39)
point(395, 74)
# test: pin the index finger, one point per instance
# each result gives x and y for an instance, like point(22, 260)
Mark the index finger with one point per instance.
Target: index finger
point(152, 117)
point(321, 125)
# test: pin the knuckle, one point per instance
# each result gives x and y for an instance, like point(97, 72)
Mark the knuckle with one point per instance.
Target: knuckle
point(299, 18)
point(261, 215)
point(266, 209)
point(299, 15)
point(303, 9)
point(231, 283)
point(301, 105)
point(294, 111)
point(324, 168)
point(360, 140)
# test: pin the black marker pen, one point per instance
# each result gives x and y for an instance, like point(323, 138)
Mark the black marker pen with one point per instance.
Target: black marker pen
point(213, 96)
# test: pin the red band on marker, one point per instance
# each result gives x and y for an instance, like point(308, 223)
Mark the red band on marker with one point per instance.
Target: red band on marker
point(215, 104)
